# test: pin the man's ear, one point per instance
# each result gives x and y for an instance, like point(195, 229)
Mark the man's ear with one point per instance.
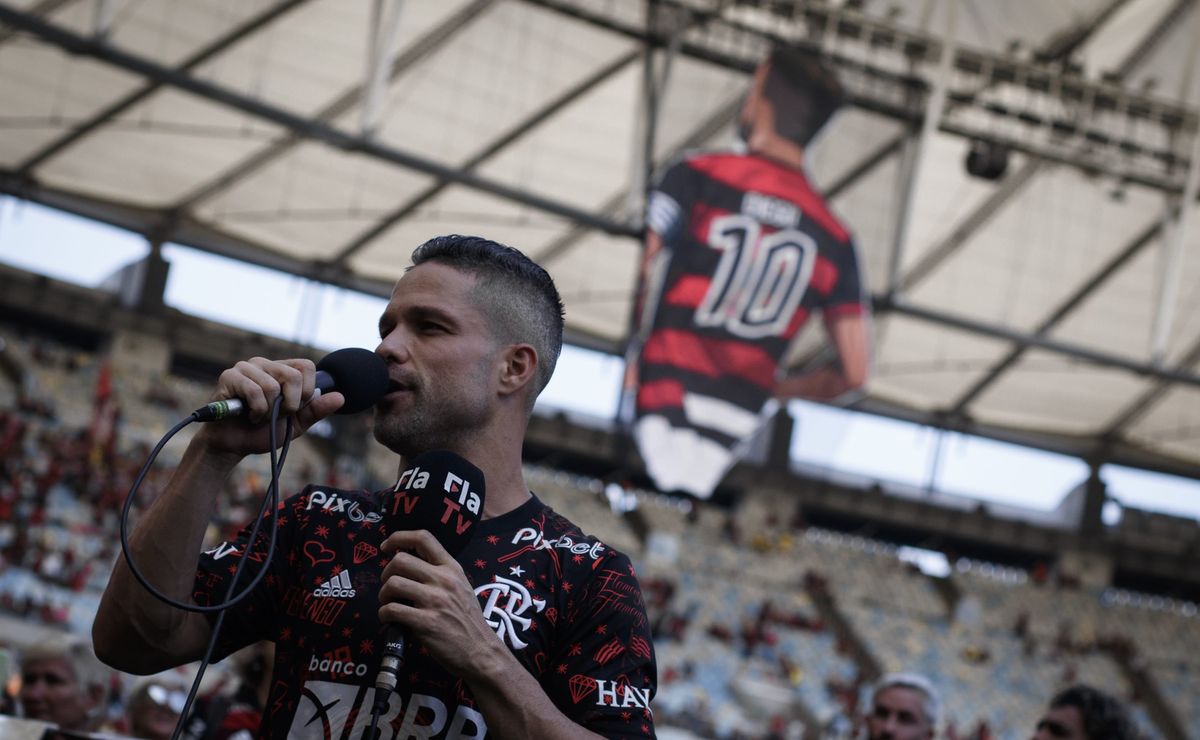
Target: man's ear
point(518, 368)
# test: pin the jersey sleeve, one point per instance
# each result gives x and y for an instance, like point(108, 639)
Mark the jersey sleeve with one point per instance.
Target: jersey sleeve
point(255, 617)
point(847, 296)
point(603, 673)
point(671, 201)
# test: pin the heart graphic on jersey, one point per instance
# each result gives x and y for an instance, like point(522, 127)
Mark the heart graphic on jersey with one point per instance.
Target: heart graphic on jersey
point(318, 553)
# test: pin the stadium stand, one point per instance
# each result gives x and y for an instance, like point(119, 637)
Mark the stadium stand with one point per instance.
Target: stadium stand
point(763, 625)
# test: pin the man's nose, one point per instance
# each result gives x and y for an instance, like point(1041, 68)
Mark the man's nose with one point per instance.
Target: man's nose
point(394, 346)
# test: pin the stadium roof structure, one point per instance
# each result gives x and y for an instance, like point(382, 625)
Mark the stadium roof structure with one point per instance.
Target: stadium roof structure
point(1057, 305)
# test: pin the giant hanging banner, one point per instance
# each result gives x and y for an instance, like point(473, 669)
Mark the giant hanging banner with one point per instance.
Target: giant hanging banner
point(749, 252)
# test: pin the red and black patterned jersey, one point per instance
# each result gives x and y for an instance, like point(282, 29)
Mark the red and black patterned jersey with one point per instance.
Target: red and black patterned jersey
point(751, 251)
point(566, 605)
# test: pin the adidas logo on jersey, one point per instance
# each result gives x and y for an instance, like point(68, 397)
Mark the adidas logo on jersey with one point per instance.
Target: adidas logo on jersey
point(337, 587)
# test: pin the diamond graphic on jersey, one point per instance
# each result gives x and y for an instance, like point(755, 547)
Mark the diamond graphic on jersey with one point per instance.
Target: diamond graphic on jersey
point(581, 686)
point(363, 552)
point(337, 587)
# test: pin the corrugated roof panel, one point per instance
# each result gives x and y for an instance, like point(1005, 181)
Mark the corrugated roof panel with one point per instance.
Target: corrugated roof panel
point(1055, 393)
point(585, 157)
point(1171, 425)
point(1119, 317)
point(314, 202)
point(1037, 250)
point(457, 210)
point(316, 53)
point(45, 93)
point(596, 279)
point(166, 33)
point(924, 365)
point(487, 78)
point(155, 152)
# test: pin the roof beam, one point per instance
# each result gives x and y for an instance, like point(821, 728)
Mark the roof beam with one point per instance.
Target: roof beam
point(705, 130)
point(969, 225)
point(1039, 341)
point(1169, 20)
point(866, 165)
point(530, 122)
point(153, 223)
point(219, 45)
point(1075, 299)
point(884, 91)
point(315, 130)
point(1090, 286)
point(1085, 447)
point(433, 40)
point(44, 8)
point(1063, 45)
point(1143, 403)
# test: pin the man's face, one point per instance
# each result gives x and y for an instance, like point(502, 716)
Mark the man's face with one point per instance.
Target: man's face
point(897, 714)
point(442, 360)
point(51, 693)
point(1061, 723)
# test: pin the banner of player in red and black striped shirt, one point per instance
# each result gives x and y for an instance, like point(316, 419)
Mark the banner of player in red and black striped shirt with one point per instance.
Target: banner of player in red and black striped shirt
point(749, 251)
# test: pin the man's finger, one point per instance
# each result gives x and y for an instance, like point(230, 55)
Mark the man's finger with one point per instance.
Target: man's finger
point(321, 407)
point(421, 542)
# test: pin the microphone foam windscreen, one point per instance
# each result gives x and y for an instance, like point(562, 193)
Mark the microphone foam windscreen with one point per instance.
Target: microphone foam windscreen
point(441, 492)
point(358, 374)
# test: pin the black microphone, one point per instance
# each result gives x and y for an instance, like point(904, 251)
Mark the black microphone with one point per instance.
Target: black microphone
point(443, 493)
point(358, 374)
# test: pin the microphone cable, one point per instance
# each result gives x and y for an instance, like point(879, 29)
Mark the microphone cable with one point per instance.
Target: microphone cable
point(270, 499)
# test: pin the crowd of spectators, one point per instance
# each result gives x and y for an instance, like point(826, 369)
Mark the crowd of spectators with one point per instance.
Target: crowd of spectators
point(740, 620)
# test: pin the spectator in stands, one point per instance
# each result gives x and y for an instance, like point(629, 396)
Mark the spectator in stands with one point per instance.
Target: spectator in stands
point(62, 682)
point(904, 706)
point(1084, 713)
point(154, 706)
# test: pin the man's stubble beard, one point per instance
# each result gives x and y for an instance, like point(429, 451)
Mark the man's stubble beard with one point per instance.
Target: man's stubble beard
point(432, 423)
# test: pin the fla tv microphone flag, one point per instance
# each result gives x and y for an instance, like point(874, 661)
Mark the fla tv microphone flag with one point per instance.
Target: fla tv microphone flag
point(749, 252)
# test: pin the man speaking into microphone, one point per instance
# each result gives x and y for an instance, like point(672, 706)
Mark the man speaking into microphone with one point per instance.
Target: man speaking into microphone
point(532, 630)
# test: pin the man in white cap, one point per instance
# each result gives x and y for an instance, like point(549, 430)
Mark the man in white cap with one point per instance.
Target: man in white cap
point(904, 706)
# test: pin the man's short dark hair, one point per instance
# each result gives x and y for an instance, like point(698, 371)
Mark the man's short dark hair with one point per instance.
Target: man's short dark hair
point(515, 293)
point(803, 91)
point(1104, 718)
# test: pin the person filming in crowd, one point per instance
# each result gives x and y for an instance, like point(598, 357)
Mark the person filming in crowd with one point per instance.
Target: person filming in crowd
point(535, 630)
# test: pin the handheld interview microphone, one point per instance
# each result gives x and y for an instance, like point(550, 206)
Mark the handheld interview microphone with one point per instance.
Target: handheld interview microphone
point(358, 374)
point(442, 493)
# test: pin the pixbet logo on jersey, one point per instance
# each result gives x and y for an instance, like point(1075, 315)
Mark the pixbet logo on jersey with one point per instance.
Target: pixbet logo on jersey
point(542, 542)
point(334, 503)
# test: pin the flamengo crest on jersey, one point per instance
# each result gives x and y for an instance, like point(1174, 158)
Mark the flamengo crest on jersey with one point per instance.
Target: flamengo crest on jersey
point(751, 252)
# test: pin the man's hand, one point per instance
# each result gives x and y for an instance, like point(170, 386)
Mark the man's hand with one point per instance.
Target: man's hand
point(425, 590)
point(257, 382)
